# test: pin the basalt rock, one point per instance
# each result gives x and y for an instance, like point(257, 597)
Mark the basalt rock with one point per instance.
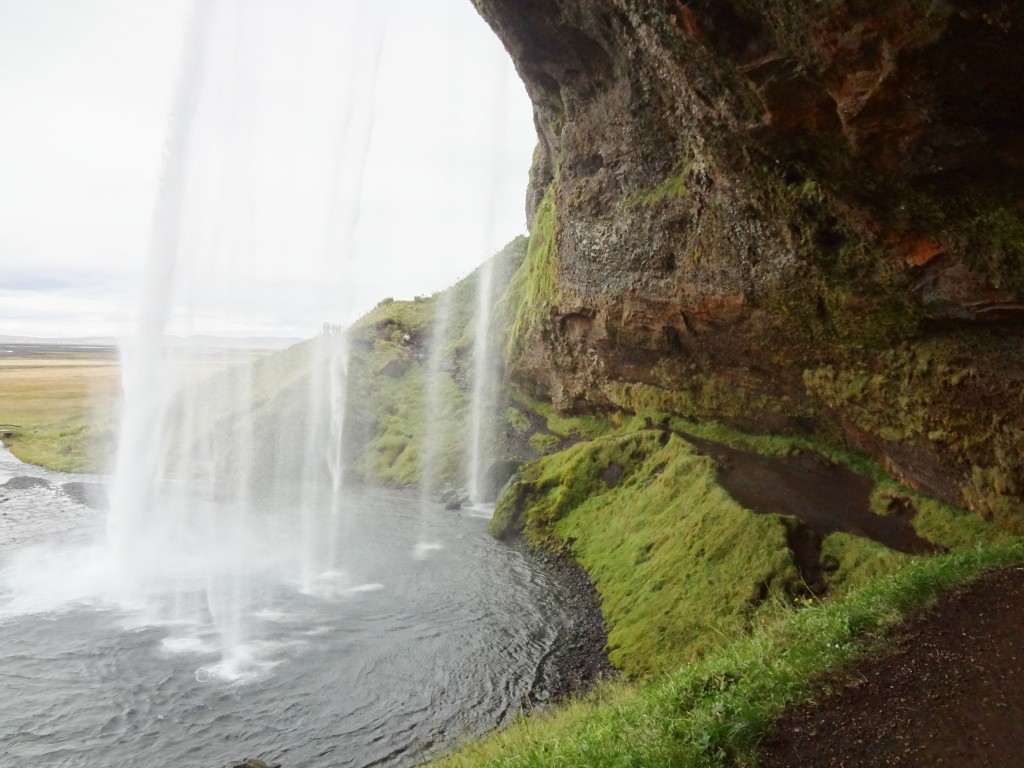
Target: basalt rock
point(786, 216)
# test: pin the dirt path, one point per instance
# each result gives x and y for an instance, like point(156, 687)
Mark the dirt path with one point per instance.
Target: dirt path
point(949, 691)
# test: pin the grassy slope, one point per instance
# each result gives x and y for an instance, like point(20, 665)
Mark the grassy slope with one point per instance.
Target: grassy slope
point(714, 656)
point(390, 372)
point(681, 568)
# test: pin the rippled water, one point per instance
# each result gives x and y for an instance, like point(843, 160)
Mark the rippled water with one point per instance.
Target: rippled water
point(429, 633)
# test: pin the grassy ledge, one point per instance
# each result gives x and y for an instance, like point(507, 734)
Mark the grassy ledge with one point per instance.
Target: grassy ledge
point(708, 615)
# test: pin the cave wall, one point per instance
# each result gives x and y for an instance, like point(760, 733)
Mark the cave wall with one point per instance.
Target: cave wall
point(788, 216)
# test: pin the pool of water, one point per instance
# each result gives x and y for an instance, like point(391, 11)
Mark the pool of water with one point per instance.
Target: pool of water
point(426, 631)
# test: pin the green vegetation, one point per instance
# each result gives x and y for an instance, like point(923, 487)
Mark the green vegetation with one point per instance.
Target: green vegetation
point(391, 374)
point(926, 392)
point(59, 410)
point(672, 189)
point(707, 614)
point(533, 289)
point(713, 711)
point(679, 565)
point(561, 426)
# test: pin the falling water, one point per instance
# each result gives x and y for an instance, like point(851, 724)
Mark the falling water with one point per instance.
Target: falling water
point(201, 522)
point(437, 415)
point(484, 372)
point(330, 357)
point(138, 458)
point(482, 404)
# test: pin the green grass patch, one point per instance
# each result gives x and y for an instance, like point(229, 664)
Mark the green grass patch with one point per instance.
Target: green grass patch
point(59, 410)
point(678, 564)
point(587, 427)
point(533, 289)
point(714, 711)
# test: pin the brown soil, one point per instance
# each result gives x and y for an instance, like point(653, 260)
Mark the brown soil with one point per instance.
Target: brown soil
point(948, 690)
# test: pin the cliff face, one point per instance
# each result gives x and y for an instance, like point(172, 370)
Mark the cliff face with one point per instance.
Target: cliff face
point(789, 216)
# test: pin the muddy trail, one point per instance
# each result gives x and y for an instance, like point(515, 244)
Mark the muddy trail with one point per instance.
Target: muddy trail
point(946, 689)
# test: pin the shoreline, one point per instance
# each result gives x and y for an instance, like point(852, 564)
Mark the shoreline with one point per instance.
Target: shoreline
point(580, 658)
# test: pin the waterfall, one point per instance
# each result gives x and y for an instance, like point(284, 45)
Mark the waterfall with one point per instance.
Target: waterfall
point(217, 497)
point(138, 457)
point(482, 404)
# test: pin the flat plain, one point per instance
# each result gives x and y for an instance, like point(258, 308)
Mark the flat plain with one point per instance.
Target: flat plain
point(59, 403)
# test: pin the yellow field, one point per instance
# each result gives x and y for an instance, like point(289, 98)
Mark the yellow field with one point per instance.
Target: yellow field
point(59, 406)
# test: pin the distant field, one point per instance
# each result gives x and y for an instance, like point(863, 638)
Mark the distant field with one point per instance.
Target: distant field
point(59, 403)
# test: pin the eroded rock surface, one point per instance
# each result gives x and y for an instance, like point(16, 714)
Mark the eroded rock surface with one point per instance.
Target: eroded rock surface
point(787, 216)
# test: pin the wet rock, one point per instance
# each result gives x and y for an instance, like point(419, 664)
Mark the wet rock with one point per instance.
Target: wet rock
point(24, 482)
point(453, 497)
point(495, 478)
point(92, 495)
point(253, 762)
point(580, 659)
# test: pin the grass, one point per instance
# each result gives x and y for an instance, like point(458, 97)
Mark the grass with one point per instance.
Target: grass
point(533, 289)
point(59, 409)
point(706, 613)
point(714, 711)
point(677, 563)
point(399, 437)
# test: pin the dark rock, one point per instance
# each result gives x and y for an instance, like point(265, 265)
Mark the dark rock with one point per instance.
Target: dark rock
point(90, 494)
point(253, 762)
point(580, 658)
point(453, 497)
point(24, 482)
point(495, 477)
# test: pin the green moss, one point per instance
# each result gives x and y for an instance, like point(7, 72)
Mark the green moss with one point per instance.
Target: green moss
point(533, 289)
point(544, 443)
point(932, 392)
point(697, 397)
point(517, 420)
point(997, 230)
point(678, 564)
point(671, 190)
point(564, 426)
point(852, 560)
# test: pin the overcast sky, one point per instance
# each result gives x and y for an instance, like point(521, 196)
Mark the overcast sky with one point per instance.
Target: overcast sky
point(328, 153)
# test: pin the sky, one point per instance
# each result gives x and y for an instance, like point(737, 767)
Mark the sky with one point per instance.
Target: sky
point(269, 164)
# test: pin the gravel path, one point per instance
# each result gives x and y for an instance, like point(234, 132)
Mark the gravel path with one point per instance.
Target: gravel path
point(948, 690)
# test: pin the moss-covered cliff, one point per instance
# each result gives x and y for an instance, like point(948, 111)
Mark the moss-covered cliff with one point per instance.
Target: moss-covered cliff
point(790, 217)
